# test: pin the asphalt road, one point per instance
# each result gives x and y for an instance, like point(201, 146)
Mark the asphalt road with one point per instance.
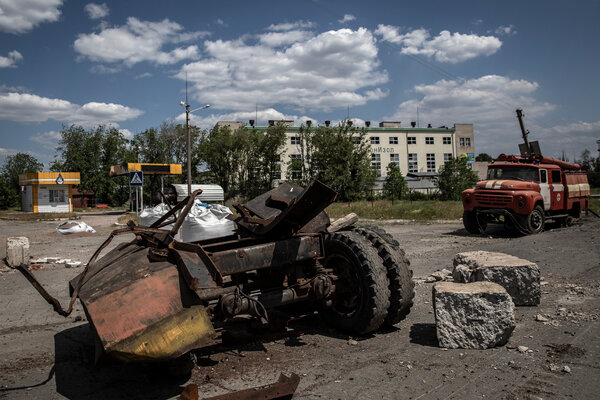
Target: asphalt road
point(46, 356)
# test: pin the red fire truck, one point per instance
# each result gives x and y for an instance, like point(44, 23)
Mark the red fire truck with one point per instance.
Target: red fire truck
point(526, 191)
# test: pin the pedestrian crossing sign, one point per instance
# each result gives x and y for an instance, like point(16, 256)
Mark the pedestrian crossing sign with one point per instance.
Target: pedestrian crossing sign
point(136, 178)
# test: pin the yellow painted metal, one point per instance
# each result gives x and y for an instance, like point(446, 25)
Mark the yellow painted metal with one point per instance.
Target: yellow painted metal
point(49, 178)
point(173, 336)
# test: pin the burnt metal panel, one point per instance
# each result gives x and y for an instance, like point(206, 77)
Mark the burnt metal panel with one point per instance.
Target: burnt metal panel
point(267, 255)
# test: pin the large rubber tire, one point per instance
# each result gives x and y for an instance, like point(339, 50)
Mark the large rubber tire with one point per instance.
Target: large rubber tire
point(534, 222)
point(361, 300)
point(471, 223)
point(402, 287)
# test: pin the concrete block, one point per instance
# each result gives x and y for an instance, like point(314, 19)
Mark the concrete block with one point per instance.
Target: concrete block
point(520, 278)
point(17, 251)
point(477, 315)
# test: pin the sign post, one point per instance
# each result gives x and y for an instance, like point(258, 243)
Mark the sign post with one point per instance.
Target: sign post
point(136, 178)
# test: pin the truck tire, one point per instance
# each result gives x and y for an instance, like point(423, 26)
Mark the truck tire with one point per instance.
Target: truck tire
point(471, 223)
point(402, 288)
point(534, 222)
point(361, 299)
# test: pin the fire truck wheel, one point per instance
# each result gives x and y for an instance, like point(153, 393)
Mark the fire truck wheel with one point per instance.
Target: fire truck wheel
point(535, 221)
point(402, 288)
point(471, 223)
point(362, 296)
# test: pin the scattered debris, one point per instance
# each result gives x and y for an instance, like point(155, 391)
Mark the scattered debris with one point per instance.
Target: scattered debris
point(476, 315)
point(566, 369)
point(284, 388)
point(68, 227)
point(442, 275)
point(541, 318)
point(520, 278)
point(522, 349)
point(352, 342)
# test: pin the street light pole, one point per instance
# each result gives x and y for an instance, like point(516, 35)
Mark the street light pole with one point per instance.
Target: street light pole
point(189, 149)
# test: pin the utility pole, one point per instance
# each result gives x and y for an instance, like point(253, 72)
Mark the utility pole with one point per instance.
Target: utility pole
point(189, 148)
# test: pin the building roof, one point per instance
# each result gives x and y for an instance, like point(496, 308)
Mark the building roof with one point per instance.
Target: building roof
point(49, 178)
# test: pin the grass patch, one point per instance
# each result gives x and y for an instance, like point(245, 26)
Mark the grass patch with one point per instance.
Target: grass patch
point(423, 210)
point(123, 219)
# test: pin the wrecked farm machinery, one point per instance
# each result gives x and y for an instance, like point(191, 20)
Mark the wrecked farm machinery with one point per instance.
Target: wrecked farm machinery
point(156, 298)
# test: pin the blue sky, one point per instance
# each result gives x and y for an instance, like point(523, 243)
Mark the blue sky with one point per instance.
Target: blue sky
point(124, 63)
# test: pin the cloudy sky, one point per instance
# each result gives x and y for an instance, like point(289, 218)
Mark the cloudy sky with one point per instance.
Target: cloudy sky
point(124, 64)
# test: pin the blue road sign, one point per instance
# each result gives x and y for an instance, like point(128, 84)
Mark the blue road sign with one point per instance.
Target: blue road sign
point(136, 178)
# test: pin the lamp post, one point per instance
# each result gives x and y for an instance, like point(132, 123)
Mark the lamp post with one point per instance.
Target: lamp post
point(189, 140)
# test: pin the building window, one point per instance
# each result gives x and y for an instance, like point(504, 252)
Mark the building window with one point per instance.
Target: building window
point(447, 157)
point(412, 163)
point(294, 140)
point(468, 141)
point(411, 140)
point(376, 163)
point(393, 139)
point(395, 158)
point(296, 165)
point(447, 140)
point(374, 139)
point(429, 140)
point(356, 139)
point(277, 170)
point(462, 141)
point(57, 196)
point(430, 162)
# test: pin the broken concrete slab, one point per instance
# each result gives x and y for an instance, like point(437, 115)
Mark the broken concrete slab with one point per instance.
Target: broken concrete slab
point(477, 315)
point(520, 278)
point(17, 251)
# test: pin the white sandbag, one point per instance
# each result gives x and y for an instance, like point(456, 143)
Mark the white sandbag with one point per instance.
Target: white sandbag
point(150, 215)
point(69, 227)
point(206, 221)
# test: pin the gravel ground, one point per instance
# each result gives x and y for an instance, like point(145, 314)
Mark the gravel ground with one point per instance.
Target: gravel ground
point(46, 356)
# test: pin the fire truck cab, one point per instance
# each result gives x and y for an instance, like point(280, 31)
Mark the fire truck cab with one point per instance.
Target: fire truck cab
point(525, 192)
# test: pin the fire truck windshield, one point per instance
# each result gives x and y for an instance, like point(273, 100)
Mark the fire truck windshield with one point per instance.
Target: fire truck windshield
point(519, 173)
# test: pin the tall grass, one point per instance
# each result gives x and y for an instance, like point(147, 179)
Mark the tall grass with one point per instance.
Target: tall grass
point(421, 210)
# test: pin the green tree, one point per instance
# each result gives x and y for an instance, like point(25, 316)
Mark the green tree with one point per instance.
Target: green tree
point(8, 196)
point(454, 177)
point(484, 157)
point(395, 186)
point(15, 165)
point(92, 153)
point(339, 157)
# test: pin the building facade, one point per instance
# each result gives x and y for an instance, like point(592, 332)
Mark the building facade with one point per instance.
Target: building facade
point(415, 150)
point(47, 191)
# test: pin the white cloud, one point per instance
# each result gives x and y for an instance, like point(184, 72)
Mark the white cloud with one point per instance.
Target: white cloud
point(347, 18)
point(446, 47)
point(221, 22)
point(333, 69)
point(103, 69)
point(20, 16)
point(288, 26)
point(127, 133)
point(96, 11)
point(138, 41)
point(489, 102)
point(276, 39)
point(20, 107)
point(506, 30)
point(12, 59)
point(47, 139)
point(144, 75)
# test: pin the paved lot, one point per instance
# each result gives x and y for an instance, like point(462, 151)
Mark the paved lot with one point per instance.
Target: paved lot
point(45, 356)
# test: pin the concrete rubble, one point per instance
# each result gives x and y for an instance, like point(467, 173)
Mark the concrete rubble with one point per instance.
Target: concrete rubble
point(476, 315)
point(520, 278)
point(17, 251)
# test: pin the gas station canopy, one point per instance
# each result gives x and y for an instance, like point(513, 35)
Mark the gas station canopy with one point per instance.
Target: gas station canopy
point(146, 168)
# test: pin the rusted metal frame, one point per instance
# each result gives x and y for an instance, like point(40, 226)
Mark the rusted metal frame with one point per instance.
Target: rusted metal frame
point(213, 270)
point(267, 255)
point(283, 388)
point(185, 212)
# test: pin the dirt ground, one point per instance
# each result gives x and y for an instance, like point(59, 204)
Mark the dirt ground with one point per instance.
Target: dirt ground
point(46, 356)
